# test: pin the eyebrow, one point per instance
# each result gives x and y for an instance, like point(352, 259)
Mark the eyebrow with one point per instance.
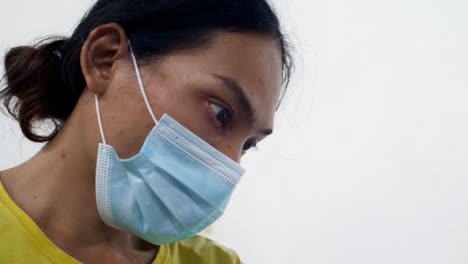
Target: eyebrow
point(239, 91)
point(266, 132)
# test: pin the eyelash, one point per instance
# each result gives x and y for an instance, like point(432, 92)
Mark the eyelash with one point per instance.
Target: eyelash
point(253, 145)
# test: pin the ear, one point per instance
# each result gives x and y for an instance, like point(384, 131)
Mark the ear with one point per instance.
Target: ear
point(104, 46)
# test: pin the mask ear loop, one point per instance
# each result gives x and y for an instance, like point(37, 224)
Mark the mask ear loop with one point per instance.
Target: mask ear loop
point(140, 83)
point(96, 99)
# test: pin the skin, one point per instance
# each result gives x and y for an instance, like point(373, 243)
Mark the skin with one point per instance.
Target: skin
point(56, 187)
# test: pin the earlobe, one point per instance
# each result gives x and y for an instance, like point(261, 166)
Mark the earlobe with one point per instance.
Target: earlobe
point(104, 46)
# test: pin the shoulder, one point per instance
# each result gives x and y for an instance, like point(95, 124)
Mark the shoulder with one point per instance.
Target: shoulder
point(199, 249)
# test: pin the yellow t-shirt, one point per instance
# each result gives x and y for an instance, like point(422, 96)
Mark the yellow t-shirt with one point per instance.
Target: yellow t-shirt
point(22, 241)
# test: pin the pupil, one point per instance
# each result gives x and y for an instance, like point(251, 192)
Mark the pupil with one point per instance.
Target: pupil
point(221, 115)
point(247, 146)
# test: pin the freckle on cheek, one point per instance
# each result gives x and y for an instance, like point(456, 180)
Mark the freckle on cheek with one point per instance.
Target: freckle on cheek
point(63, 155)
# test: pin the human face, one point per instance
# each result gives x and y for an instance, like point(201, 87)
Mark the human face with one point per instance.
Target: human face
point(226, 93)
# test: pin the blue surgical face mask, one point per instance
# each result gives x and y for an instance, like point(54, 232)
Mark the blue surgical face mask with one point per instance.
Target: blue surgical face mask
point(172, 189)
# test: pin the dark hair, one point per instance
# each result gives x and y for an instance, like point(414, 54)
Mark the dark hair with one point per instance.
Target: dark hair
point(44, 82)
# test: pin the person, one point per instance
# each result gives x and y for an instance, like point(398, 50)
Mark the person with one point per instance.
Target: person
point(152, 105)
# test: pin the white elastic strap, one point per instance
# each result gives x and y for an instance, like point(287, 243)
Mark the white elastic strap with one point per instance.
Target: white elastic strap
point(140, 83)
point(99, 119)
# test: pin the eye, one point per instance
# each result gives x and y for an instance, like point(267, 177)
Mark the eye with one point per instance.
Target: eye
point(248, 145)
point(221, 114)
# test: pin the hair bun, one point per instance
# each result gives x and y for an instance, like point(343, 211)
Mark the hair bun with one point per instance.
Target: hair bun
point(34, 86)
point(13, 57)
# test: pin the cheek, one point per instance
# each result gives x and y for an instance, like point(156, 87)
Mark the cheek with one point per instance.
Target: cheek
point(231, 148)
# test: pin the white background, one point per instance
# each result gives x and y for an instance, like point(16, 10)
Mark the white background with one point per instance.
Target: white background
point(369, 161)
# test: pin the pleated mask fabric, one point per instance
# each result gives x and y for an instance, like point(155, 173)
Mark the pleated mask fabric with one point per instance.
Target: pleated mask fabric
point(175, 187)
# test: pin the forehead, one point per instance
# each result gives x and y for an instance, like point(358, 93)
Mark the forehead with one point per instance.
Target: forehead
point(252, 60)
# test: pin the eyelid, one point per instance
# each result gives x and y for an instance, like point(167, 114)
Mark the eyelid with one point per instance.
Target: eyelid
point(253, 142)
point(217, 101)
point(220, 101)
